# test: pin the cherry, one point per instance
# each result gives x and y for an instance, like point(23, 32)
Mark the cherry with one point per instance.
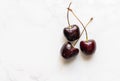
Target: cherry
point(68, 51)
point(72, 32)
point(88, 47)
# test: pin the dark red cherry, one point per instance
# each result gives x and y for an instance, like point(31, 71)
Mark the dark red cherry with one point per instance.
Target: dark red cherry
point(68, 51)
point(72, 33)
point(88, 47)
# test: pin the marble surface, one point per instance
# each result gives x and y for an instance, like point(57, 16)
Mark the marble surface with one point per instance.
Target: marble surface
point(31, 37)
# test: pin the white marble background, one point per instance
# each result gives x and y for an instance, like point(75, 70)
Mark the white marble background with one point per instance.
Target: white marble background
point(31, 37)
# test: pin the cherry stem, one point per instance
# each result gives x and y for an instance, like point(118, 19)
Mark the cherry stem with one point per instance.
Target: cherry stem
point(84, 30)
point(68, 15)
point(80, 22)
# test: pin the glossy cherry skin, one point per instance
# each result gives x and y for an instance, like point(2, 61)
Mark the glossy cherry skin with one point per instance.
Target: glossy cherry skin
point(72, 33)
point(68, 51)
point(88, 47)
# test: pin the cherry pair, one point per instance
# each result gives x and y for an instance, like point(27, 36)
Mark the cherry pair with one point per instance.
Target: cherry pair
point(72, 34)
